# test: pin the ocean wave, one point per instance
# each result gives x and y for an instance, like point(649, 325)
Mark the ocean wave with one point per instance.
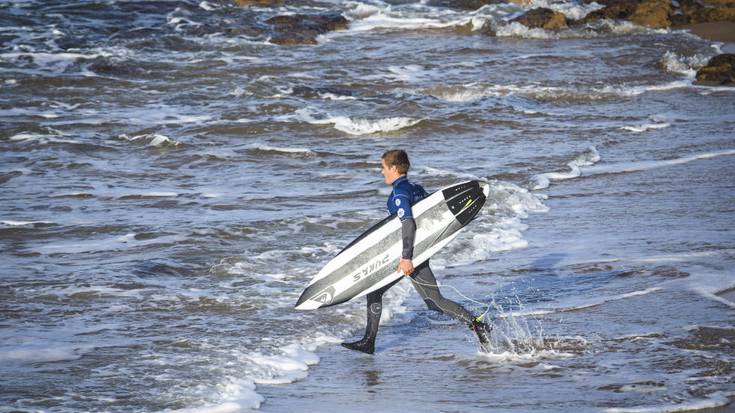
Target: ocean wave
point(358, 126)
point(571, 10)
point(685, 65)
point(657, 122)
point(646, 126)
point(272, 150)
point(623, 167)
point(474, 92)
point(381, 16)
point(25, 224)
point(41, 138)
point(499, 226)
point(36, 354)
point(585, 159)
point(712, 401)
point(582, 304)
point(152, 139)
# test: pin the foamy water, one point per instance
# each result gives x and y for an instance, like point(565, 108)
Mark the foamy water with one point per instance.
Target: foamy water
point(171, 181)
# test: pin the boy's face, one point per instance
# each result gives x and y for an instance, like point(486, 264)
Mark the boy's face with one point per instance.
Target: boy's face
point(390, 173)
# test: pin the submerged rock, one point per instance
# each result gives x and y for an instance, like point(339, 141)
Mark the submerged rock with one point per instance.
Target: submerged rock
point(310, 92)
point(304, 28)
point(542, 18)
point(720, 70)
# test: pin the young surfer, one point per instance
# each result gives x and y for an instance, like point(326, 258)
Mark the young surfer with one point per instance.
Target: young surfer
point(395, 165)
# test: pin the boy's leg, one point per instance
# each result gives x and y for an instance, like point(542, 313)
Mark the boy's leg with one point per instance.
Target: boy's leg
point(374, 311)
point(425, 283)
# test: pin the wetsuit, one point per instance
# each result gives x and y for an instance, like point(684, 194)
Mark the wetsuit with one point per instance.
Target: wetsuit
point(403, 196)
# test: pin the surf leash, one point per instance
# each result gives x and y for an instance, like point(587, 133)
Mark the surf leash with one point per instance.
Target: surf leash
point(437, 285)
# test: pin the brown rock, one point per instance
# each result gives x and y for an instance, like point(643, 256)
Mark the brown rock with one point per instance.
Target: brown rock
point(649, 13)
point(652, 13)
point(542, 18)
point(720, 70)
point(304, 28)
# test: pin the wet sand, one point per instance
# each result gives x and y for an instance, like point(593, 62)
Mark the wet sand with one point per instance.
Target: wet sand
point(717, 31)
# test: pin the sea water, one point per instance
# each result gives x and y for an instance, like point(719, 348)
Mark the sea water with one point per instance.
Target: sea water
point(167, 193)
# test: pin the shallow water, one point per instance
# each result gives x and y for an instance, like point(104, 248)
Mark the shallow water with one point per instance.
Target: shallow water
point(169, 187)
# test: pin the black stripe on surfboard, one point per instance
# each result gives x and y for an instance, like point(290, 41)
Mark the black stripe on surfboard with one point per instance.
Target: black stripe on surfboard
point(448, 193)
point(369, 231)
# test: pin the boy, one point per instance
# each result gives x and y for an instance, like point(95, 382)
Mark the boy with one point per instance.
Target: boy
point(395, 165)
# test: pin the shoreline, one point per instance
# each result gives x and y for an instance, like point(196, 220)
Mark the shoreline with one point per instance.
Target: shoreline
point(723, 32)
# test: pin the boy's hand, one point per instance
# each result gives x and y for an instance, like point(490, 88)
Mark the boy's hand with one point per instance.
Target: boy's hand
point(405, 266)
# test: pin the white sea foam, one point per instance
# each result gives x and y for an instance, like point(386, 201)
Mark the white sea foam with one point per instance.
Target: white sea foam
point(237, 396)
point(646, 126)
point(37, 354)
point(356, 126)
point(332, 96)
point(585, 159)
point(287, 364)
point(458, 94)
point(286, 150)
point(407, 73)
point(580, 304)
point(31, 224)
point(623, 167)
point(207, 6)
point(152, 139)
point(572, 10)
point(105, 244)
point(499, 226)
point(429, 171)
point(685, 65)
point(714, 400)
point(40, 138)
point(368, 19)
point(516, 29)
point(629, 91)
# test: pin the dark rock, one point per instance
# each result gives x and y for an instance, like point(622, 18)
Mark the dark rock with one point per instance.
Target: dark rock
point(320, 23)
point(464, 4)
point(707, 11)
point(304, 28)
point(720, 70)
point(542, 18)
point(474, 4)
point(310, 93)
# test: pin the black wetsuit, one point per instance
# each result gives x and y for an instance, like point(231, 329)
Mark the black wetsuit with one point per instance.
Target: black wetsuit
point(403, 196)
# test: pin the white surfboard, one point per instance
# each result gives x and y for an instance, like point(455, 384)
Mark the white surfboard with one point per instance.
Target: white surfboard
point(370, 261)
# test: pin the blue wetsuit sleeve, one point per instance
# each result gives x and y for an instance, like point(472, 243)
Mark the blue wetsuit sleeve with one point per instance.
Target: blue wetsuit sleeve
point(403, 205)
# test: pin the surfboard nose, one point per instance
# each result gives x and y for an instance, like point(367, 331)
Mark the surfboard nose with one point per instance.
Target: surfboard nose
point(307, 305)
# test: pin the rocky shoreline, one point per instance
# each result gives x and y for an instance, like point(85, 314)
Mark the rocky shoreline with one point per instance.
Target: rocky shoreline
point(710, 19)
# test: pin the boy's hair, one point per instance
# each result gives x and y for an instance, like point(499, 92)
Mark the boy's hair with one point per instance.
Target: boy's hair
point(397, 158)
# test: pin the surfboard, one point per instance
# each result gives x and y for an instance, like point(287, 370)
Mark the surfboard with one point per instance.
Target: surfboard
point(371, 260)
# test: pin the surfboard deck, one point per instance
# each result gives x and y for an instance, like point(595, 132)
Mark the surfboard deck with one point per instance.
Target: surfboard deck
point(371, 260)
